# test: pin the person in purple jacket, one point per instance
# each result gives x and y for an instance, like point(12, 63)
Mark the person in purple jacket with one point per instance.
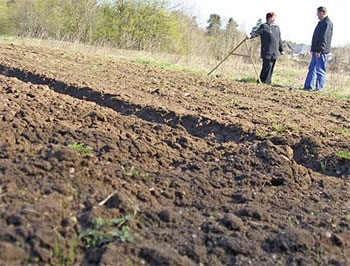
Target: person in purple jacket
point(320, 48)
point(271, 46)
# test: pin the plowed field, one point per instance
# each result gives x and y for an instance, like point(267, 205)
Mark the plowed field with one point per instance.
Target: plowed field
point(108, 162)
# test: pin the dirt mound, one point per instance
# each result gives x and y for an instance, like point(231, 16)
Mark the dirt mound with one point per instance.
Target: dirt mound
point(106, 162)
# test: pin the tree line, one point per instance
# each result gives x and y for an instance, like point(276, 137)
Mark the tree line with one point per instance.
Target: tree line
point(152, 25)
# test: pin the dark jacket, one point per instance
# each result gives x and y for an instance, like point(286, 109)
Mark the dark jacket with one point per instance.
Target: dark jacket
point(271, 43)
point(321, 40)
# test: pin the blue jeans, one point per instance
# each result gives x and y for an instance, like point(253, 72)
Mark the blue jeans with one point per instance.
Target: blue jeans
point(316, 77)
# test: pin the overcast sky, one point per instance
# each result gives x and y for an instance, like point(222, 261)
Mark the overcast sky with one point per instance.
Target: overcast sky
point(297, 19)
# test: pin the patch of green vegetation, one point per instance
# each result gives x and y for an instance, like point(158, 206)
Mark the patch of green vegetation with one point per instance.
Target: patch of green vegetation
point(103, 231)
point(165, 65)
point(229, 102)
point(260, 133)
point(142, 61)
point(8, 38)
point(341, 95)
point(285, 128)
point(63, 258)
point(291, 128)
point(200, 95)
point(338, 84)
point(248, 80)
point(343, 131)
point(344, 154)
point(80, 148)
point(19, 131)
point(234, 102)
point(277, 127)
point(286, 76)
point(133, 172)
point(323, 166)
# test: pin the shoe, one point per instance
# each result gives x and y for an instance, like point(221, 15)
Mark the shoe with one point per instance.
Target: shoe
point(307, 89)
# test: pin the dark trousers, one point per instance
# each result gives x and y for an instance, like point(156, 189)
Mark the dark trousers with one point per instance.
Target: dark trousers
point(267, 70)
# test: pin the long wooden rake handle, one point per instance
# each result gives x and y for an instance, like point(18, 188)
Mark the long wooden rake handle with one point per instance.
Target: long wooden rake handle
point(234, 49)
point(251, 58)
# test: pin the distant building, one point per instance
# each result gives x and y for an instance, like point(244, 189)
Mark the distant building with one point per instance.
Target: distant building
point(302, 49)
point(288, 49)
point(302, 52)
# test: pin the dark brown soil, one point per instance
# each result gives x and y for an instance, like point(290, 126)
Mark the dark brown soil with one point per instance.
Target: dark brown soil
point(184, 169)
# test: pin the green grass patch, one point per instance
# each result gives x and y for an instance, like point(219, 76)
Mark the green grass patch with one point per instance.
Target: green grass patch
point(133, 172)
point(283, 128)
point(344, 154)
point(61, 257)
point(261, 133)
point(248, 80)
point(104, 231)
point(323, 166)
point(80, 148)
point(162, 64)
point(343, 131)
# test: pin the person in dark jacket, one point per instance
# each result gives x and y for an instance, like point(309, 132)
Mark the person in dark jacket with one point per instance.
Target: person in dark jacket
point(271, 46)
point(320, 48)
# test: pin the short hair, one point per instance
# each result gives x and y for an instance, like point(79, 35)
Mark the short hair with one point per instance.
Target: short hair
point(269, 15)
point(322, 9)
